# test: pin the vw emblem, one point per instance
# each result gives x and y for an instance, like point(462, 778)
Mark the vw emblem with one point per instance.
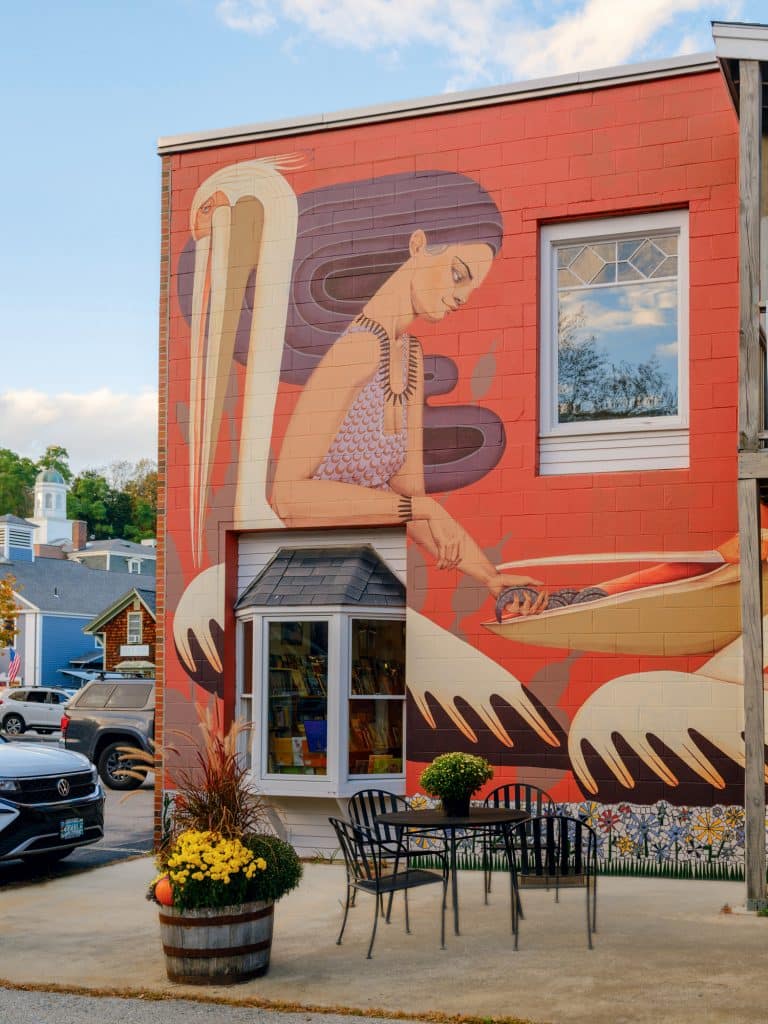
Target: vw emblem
point(63, 787)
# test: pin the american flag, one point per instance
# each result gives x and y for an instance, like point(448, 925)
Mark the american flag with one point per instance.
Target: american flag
point(15, 664)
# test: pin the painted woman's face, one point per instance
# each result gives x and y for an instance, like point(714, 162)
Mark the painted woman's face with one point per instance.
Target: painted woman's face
point(442, 280)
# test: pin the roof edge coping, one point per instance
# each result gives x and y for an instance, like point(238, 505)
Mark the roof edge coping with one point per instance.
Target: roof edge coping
point(573, 82)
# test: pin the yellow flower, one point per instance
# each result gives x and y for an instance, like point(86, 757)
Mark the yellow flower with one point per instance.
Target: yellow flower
point(708, 828)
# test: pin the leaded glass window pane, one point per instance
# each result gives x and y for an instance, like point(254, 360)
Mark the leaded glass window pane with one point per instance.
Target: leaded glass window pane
point(617, 329)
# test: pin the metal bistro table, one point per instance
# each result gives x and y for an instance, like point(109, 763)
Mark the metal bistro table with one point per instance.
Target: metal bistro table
point(479, 818)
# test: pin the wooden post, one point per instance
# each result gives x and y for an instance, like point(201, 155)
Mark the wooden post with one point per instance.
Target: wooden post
point(754, 724)
point(750, 425)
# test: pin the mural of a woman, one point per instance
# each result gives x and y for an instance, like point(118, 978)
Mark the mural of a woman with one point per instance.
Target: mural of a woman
point(353, 453)
point(371, 258)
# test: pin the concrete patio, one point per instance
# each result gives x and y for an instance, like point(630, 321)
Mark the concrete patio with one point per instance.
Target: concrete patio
point(664, 951)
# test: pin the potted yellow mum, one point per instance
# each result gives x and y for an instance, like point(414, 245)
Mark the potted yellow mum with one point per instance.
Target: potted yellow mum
point(220, 869)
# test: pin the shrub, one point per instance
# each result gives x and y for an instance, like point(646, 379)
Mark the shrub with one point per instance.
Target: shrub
point(452, 776)
point(283, 871)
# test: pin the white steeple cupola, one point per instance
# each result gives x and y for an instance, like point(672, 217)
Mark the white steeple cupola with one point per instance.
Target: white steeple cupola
point(51, 508)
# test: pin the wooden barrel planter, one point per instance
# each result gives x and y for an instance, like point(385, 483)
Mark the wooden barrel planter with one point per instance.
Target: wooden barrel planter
point(217, 947)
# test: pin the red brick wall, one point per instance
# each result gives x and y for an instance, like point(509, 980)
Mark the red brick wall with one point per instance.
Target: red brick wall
point(670, 143)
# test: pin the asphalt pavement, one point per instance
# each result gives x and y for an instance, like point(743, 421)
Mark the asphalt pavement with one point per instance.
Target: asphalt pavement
point(24, 1007)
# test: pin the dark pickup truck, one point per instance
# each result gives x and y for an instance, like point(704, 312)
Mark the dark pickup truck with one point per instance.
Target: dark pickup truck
point(106, 715)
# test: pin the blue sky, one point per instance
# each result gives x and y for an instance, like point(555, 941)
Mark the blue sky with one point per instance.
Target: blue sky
point(88, 86)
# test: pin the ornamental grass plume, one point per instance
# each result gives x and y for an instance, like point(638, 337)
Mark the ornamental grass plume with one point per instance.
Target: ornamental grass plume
point(218, 848)
point(215, 794)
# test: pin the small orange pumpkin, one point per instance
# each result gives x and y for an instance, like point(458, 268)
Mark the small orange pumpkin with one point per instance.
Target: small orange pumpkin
point(164, 891)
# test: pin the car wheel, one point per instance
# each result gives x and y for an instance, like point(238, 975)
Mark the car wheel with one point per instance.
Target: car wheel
point(47, 860)
point(14, 725)
point(111, 768)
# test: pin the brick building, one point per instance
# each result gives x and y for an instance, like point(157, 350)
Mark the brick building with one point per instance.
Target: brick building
point(485, 347)
point(127, 632)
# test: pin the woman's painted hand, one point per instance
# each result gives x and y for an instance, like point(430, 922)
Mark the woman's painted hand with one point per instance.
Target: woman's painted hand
point(448, 537)
point(528, 601)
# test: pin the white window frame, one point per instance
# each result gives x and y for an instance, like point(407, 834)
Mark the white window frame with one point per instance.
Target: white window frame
point(650, 442)
point(133, 633)
point(336, 782)
point(134, 565)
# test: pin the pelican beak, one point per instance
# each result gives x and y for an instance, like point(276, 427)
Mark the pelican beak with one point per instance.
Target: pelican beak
point(226, 253)
point(243, 219)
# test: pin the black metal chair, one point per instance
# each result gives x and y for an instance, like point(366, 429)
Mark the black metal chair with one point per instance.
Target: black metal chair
point(367, 860)
point(555, 849)
point(363, 808)
point(521, 797)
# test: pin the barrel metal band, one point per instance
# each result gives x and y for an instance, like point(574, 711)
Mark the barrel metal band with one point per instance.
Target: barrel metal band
point(202, 922)
point(210, 954)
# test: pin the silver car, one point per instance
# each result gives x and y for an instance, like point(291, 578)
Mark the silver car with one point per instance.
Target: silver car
point(32, 707)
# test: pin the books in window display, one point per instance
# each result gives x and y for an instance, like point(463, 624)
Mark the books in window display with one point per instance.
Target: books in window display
point(367, 735)
point(375, 677)
point(384, 764)
point(295, 681)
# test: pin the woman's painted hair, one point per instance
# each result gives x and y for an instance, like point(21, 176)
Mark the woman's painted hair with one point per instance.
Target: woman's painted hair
point(353, 236)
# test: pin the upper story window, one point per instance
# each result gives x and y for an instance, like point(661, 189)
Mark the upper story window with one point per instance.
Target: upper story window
point(134, 565)
point(614, 344)
point(134, 628)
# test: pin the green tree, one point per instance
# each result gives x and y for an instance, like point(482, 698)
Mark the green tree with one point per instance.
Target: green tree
point(89, 499)
point(142, 490)
point(17, 480)
point(56, 457)
point(8, 612)
point(119, 513)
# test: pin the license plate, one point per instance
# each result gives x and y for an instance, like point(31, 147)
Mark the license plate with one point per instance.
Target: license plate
point(71, 828)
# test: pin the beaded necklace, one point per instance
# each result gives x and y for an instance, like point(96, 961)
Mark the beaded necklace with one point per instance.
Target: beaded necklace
point(385, 375)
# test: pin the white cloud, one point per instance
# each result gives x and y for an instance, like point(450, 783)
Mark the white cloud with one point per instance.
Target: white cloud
point(489, 39)
point(97, 428)
point(652, 304)
point(252, 16)
point(667, 351)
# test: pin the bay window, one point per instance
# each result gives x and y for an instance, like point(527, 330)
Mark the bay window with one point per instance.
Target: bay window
point(323, 684)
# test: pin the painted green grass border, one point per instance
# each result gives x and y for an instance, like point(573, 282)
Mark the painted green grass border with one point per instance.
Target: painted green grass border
point(627, 867)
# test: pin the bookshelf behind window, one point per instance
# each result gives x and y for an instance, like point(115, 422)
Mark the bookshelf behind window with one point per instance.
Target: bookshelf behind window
point(297, 698)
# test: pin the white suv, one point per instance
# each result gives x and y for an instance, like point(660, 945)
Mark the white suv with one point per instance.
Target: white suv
point(31, 707)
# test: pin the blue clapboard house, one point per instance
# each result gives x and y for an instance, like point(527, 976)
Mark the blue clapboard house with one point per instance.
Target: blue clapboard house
point(56, 597)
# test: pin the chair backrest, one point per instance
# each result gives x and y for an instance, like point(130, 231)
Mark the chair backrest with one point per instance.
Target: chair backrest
point(363, 807)
point(558, 846)
point(361, 850)
point(521, 796)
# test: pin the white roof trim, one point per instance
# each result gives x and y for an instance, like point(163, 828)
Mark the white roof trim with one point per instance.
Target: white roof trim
point(740, 40)
point(578, 81)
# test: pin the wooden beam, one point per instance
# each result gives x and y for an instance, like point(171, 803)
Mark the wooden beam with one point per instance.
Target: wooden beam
point(754, 708)
point(750, 368)
point(753, 465)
